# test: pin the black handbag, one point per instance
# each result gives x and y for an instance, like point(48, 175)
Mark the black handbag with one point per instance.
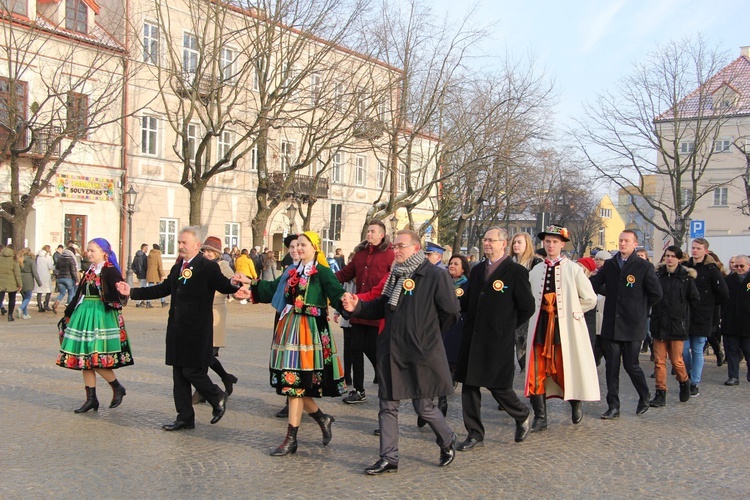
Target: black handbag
point(61, 326)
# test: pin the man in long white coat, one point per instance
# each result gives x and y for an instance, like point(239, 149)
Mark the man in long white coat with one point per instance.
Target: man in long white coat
point(559, 361)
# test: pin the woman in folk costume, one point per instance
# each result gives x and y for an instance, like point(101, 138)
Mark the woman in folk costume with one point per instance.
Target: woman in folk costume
point(560, 361)
point(95, 340)
point(304, 361)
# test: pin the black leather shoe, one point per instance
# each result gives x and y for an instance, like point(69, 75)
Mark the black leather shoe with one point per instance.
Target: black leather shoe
point(229, 383)
point(284, 412)
point(576, 411)
point(469, 444)
point(421, 422)
point(448, 453)
point(643, 406)
point(382, 466)
point(611, 413)
point(732, 381)
point(220, 410)
point(178, 425)
point(523, 427)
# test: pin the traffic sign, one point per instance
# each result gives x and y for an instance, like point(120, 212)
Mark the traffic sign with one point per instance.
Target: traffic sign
point(697, 229)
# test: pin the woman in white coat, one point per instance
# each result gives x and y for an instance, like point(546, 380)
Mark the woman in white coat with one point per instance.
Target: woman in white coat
point(559, 361)
point(44, 267)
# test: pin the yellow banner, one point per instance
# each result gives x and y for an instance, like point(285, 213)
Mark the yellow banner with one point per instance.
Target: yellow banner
point(84, 188)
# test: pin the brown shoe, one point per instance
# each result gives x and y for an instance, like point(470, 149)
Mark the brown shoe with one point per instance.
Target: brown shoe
point(54, 306)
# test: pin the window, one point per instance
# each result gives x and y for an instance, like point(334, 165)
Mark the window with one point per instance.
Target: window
point(225, 143)
point(601, 237)
point(149, 135)
point(402, 177)
point(232, 234)
point(190, 53)
point(722, 145)
point(721, 197)
point(254, 159)
point(605, 213)
point(314, 89)
point(286, 156)
point(289, 74)
point(192, 138)
point(360, 171)
point(168, 237)
point(363, 102)
point(150, 43)
point(687, 197)
point(335, 226)
point(12, 104)
point(528, 229)
point(337, 167)
point(687, 147)
point(383, 109)
point(76, 16)
point(75, 229)
point(338, 97)
point(227, 64)
point(259, 77)
point(18, 6)
point(381, 174)
point(77, 109)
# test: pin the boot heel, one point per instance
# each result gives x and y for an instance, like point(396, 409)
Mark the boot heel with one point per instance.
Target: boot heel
point(91, 402)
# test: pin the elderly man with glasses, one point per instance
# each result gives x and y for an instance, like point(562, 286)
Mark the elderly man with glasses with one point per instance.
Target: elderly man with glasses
point(499, 300)
point(735, 319)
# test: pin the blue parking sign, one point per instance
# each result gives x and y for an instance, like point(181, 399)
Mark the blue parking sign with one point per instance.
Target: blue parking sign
point(697, 229)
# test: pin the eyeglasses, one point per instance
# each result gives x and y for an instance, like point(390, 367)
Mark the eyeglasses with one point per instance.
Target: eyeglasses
point(401, 246)
point(490, 240)
point(740, 266)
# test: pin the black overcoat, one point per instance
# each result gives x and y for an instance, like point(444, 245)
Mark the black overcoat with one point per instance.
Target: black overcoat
point(735, 314)
point(191, 319)
point(670, 316)
point(629, 293)
point(713, 291)
point(494, 309)
point(410, 356)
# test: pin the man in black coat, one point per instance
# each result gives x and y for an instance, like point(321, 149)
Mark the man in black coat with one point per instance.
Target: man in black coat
point(192, 283)
point(418, 303)
point(499, 299)
point(703, 318)
point(630, 287)
point(140, 265)
point(735, 319)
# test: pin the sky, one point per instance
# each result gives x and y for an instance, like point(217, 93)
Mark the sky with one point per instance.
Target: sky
point(586, 46)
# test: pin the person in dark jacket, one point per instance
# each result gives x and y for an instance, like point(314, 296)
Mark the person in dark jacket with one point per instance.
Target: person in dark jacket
point(498, 300)
point(372, 260)
point(735, 320)
point(669, 323)
point(140, 266)
point(192, 283)
point(713, 291)
point(67, 276)
point(418, 303)
point(630, 287)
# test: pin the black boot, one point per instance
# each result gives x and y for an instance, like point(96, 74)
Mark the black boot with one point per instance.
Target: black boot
point(324, 421)
point(284, 412)
point(229, 382)
point(684, 391)
point(443, 405)
point(91, 401)
point(118, 392)
point(290, 443)
point(39, 302)
point(539, 404)
point(46, 302)
point(576, 411)
point(660, 399)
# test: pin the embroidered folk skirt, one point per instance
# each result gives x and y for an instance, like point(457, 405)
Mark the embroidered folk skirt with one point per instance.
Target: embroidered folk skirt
point(304, 360)
point(94, 338)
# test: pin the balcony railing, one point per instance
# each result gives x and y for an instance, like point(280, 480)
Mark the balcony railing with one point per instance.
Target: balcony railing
point(303, 185)
point(44, 139)
point(368, 128)
point(203, 84)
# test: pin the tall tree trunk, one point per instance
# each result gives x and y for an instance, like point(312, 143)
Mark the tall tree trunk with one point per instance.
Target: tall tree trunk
point(196, 202)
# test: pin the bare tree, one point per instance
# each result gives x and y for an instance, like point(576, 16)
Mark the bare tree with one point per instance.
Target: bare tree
point(656, 134)
point(76, 92)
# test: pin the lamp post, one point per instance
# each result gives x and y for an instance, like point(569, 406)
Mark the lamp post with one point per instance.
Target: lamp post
point(131, 195)
point(291, 213)
point(394, 226)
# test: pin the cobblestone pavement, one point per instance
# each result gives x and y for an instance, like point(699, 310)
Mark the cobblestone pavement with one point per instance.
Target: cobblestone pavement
point(695, 449)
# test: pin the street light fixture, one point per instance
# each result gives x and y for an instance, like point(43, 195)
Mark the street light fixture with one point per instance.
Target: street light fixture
point(131, 195)
point(291, 213)
point(394, 225)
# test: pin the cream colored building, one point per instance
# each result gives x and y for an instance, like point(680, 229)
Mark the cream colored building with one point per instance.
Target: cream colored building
point(58, 44)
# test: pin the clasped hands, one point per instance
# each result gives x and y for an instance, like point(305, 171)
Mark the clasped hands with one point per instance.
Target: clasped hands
point(349, 302)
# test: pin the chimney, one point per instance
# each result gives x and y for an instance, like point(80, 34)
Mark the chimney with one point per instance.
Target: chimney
point(745, 51)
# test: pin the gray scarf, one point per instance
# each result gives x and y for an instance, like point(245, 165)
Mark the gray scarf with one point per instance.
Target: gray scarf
point(400, 272)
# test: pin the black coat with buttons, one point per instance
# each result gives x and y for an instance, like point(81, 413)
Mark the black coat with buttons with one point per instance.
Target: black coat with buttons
point(713, 291)
point(670, 316)
point(629, 293)
point(735, 318)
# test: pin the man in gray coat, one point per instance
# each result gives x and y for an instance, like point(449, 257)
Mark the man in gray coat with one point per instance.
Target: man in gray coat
point(418, 303)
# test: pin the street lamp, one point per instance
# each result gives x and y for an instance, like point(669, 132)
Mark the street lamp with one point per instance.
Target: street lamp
point(394, 225)
point(130, 197)
point(291, 213)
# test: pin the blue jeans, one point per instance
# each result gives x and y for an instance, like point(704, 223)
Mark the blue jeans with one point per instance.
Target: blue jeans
point(25, 303)
point(66, 284)
point(692, 354)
